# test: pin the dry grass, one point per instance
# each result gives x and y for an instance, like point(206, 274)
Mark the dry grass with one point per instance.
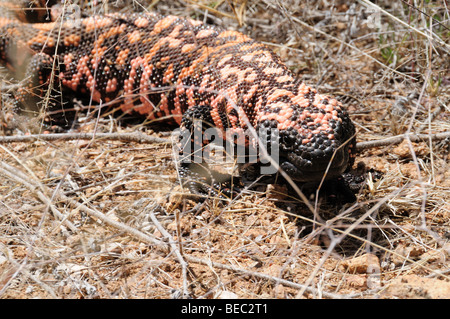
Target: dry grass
point(103, 218)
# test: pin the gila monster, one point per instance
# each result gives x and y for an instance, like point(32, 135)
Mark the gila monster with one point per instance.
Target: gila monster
point(180, 70)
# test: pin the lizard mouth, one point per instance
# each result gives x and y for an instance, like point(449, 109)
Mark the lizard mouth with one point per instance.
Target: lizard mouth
point(314, 168)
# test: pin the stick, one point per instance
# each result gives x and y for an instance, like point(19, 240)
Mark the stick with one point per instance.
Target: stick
point(137, 137)
point(175, 249)
point(399, 138)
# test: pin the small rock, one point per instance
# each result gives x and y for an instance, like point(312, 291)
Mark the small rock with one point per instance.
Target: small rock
point(403, 251)
point(357, 281)
point(439, 255)
point(273, 270)
point(255, 234)
point(277, 192)
point(3, 260)
point(279, 292)
point(111, 250)
point(277, 240)
point(365, 264)
point(226, 295)
point(403, 149)
point(413, 286)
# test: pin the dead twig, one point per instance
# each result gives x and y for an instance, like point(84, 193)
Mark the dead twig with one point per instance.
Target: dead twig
point(399, 138)
point(173, 246)
point(137, 137)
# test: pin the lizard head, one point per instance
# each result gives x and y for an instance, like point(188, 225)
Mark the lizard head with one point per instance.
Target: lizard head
point(314, 134)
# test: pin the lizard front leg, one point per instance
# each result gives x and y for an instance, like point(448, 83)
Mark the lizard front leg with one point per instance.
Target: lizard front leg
point(195, 173)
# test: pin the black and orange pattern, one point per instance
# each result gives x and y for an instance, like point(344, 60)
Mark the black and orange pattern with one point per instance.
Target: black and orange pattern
point(179, 69)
